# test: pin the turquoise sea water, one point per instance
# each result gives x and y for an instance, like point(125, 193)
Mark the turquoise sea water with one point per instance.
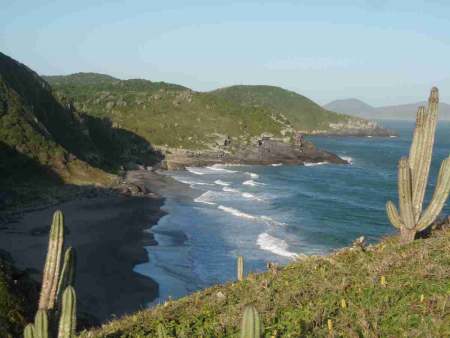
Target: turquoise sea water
point(271, 213)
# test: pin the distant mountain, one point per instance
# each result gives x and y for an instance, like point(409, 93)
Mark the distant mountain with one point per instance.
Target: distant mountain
point(359, 108)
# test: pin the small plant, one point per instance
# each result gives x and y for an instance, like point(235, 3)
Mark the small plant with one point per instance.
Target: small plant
point(413, 174)
point(251, 326)
point(240, 268)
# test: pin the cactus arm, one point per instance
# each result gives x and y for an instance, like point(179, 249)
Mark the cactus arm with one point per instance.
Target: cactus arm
point(393, 215)
point(52, 263)
point(68, 272)
point(414, 152)
point(67, 321)
point(41, 324)
point(28, 332)
point(251, 324)
point(439, 198)
point(424, 153)
point(405, 194)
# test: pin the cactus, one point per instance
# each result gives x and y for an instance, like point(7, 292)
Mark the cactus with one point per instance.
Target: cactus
point(67, 272)
point(52, 263)
point(413, 177)
point(161, 331)
point(68, 318)
point(41, 324)
point(28, 332)
point(240, 268)
point(251, 326)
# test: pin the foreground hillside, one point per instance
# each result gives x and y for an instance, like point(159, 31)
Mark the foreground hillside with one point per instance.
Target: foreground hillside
point(177, 117)
point(386, 290)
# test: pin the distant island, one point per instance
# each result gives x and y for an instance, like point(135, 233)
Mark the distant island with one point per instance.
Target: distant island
point(358, 108)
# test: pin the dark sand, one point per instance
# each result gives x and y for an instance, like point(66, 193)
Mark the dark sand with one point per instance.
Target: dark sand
point(107, 233)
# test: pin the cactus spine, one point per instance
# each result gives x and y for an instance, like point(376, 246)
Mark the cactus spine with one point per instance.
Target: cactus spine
point(240, 268)
point(251, 326)
point(68, 318)
point(413, 177)
point(52, 263)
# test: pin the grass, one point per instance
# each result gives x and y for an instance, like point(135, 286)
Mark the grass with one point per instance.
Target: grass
point(299, 299)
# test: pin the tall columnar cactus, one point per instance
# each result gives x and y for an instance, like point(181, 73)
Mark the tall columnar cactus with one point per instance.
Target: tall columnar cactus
point(240, 268)
point(251, 326)
point(67, 273)
point(52, 263)
point(413, 177)
point(68, 318)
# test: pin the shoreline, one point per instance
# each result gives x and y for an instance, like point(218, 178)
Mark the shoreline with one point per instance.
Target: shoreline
point(107, 232)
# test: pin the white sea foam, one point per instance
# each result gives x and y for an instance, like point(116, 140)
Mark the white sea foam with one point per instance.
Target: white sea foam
point(196, 171)
point(236, 212)
point(252, 183)
point(227, 189)
point(369, 136)
point(276, 164)
point(252, 175)
point(392, 136)
point(271, 221)
point(191, 183)
point(274, 245)
point(206, 198)
point(223, 183)
point(219, 167)
point(251, 196)
point(310, 164)
point(348, 159)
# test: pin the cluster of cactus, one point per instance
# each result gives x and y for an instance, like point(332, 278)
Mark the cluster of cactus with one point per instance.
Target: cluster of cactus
point(57, 295)
point(413, 174)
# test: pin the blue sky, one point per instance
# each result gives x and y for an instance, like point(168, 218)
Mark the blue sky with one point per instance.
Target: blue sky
point(381, 51)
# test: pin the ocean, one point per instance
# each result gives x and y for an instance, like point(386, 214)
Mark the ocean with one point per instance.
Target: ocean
point(273, 213)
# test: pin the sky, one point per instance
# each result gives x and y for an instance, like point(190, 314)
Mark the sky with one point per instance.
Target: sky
point(380, 51)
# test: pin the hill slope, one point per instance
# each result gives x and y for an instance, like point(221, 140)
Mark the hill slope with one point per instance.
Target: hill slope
point(302, 113)
point(298, 300)
point(45, 141)
point(177, 117)
point(359, 108)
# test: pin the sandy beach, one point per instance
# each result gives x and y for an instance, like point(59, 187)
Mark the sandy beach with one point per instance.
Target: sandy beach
point(107, 232)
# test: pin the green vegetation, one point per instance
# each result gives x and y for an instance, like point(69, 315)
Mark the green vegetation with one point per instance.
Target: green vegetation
point(299, 299)
point(177, 117)
point(45, 142)
point(299, 111)
point(413, 176)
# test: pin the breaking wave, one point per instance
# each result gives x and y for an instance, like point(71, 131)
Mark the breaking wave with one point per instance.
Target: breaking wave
point(206, 198)
point(252, 183)
point(223, 183)
point(236, 212)
point(274, 245)
point(309, 164)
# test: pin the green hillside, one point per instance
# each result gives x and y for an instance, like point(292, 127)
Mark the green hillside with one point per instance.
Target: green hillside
point(302, 113)
point(45, 142)
point(164, 114)
point(387, 290)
